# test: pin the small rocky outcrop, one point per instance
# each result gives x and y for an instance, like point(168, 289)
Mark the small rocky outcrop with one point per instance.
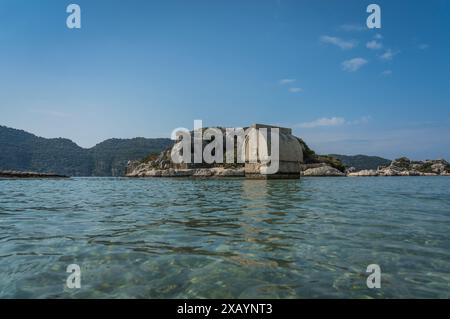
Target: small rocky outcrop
point(324, 170)
point(18, 174)
point(406, 167)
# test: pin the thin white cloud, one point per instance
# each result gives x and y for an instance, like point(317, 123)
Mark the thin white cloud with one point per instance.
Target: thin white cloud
point(343, 44)
point(333, 121)
point(352, 27)
point(424, 46)
point(386, 72)
point(388, 55)
point(324, 121)
point(374, 45)
point(287, 81)
point(378, 36)
point(353, 65)
point(295, 90)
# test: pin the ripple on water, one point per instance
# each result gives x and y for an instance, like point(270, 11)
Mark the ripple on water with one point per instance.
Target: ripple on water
point(231, 238)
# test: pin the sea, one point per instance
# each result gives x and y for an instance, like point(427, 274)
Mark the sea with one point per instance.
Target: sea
point(316, 237)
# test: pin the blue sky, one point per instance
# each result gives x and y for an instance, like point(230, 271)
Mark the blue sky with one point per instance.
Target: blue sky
point(143, 68)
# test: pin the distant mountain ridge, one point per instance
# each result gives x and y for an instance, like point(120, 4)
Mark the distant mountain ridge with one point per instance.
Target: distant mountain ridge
point(23, 151)
point(361, 162)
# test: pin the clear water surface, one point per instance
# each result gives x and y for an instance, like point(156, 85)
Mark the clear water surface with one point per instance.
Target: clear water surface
point(230, 238)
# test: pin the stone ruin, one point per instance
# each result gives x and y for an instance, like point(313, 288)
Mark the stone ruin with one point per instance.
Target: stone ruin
point(290, 160)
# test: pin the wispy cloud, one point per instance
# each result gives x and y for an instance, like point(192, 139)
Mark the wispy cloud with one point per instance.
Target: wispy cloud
point(423, 46)
point(353, 65)
point(333, 121)
point(388, 55)
point(290, 84)
point(378, 36)
point(324, 121)
point(287, 81)
point(352, 27)
point(386, 72)
point(374, 45)
point(295, 90)
point(343, 44)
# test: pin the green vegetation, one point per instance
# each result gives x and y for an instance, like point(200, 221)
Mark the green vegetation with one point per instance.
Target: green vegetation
point(150, 158)
point(310, 157)
point(308, 154)
point(22, 151)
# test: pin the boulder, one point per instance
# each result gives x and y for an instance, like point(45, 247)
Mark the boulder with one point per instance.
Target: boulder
point(350, 170)
point(438, 168)
point(389, 171)
point(409, 173)
point(366, 172)
point(323, 171)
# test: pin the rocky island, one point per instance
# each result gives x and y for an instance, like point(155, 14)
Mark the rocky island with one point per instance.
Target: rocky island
point(290, 157)
point(296, 159)
point(406, 167)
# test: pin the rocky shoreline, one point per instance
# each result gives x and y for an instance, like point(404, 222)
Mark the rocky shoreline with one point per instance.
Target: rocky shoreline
point(399, 167)
point(18, 174)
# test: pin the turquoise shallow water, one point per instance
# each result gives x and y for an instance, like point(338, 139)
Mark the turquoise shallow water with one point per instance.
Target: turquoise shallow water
point(234, 238)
